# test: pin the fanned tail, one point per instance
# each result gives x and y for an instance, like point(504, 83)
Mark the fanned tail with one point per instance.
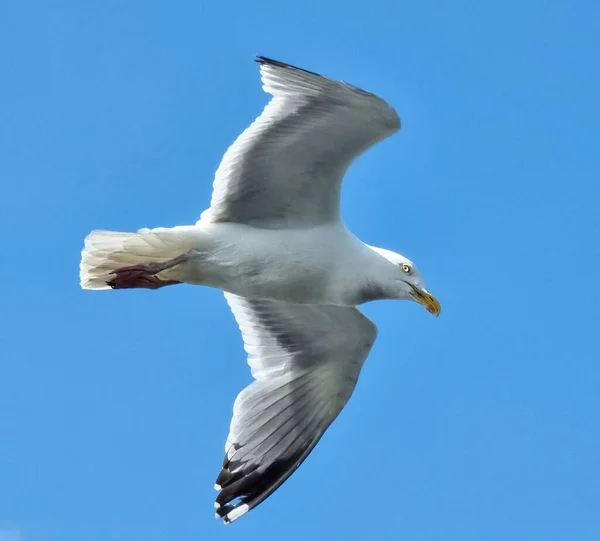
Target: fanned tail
point(106, 252)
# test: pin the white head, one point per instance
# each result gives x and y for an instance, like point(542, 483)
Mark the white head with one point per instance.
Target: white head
point(405, 282)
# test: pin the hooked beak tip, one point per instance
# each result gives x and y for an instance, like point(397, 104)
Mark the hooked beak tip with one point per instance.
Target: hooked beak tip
point(428, 301)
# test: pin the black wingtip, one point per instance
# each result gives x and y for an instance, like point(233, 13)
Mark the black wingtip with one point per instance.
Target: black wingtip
point(250, 485)
point(272, 62)
point(264, 60)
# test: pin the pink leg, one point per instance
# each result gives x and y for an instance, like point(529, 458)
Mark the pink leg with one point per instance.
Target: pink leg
point(144, 276)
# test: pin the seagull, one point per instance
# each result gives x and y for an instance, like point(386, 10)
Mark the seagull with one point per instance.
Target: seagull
point(292, 273)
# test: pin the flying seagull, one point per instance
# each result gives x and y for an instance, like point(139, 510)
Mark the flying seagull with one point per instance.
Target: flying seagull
point(292, 273)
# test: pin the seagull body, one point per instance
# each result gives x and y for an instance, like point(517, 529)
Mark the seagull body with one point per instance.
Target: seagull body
point(274, 242)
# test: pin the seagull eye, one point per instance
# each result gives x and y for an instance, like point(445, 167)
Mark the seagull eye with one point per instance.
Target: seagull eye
point(406, 268)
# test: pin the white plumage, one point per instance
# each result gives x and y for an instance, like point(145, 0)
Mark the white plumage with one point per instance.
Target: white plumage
point(292, 272)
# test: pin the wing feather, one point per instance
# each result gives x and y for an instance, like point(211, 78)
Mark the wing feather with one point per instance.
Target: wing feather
point(286, 169)
point(306, 361)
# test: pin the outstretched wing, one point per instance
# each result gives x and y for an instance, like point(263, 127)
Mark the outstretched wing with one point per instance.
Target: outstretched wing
point(306, 360)
point(286, 169)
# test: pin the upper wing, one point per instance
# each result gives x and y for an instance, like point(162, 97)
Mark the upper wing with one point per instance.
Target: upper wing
point(306, 361)
point(286, 169)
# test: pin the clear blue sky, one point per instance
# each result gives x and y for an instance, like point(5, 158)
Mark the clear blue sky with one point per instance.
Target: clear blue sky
point(482, 425)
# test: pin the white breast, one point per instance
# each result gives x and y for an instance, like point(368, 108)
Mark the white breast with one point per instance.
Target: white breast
point(311, 265)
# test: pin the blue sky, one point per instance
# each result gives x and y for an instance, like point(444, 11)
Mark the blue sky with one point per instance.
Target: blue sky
point(480, 425)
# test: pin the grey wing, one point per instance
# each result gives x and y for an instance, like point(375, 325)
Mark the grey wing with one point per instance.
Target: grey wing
point(287, 168)
point(306, 360)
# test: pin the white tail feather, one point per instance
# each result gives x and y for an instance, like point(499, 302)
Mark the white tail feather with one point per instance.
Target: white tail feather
point(106, 251)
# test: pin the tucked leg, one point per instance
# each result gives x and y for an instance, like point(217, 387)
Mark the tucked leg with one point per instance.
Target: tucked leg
point(144, 276)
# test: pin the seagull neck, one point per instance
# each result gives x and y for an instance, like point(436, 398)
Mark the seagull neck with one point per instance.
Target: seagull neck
point(372, 280)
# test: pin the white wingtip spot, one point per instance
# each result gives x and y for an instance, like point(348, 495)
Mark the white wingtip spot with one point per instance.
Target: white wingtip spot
point(217, 505)
point(237, 512)
point(217, 487)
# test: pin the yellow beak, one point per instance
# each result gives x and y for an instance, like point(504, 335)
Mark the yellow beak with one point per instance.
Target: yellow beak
point(427, 300)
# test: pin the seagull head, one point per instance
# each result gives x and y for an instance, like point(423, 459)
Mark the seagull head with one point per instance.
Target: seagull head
point(407, 280)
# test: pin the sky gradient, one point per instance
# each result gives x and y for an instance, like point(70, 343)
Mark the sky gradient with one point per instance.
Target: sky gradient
point(481, 425)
